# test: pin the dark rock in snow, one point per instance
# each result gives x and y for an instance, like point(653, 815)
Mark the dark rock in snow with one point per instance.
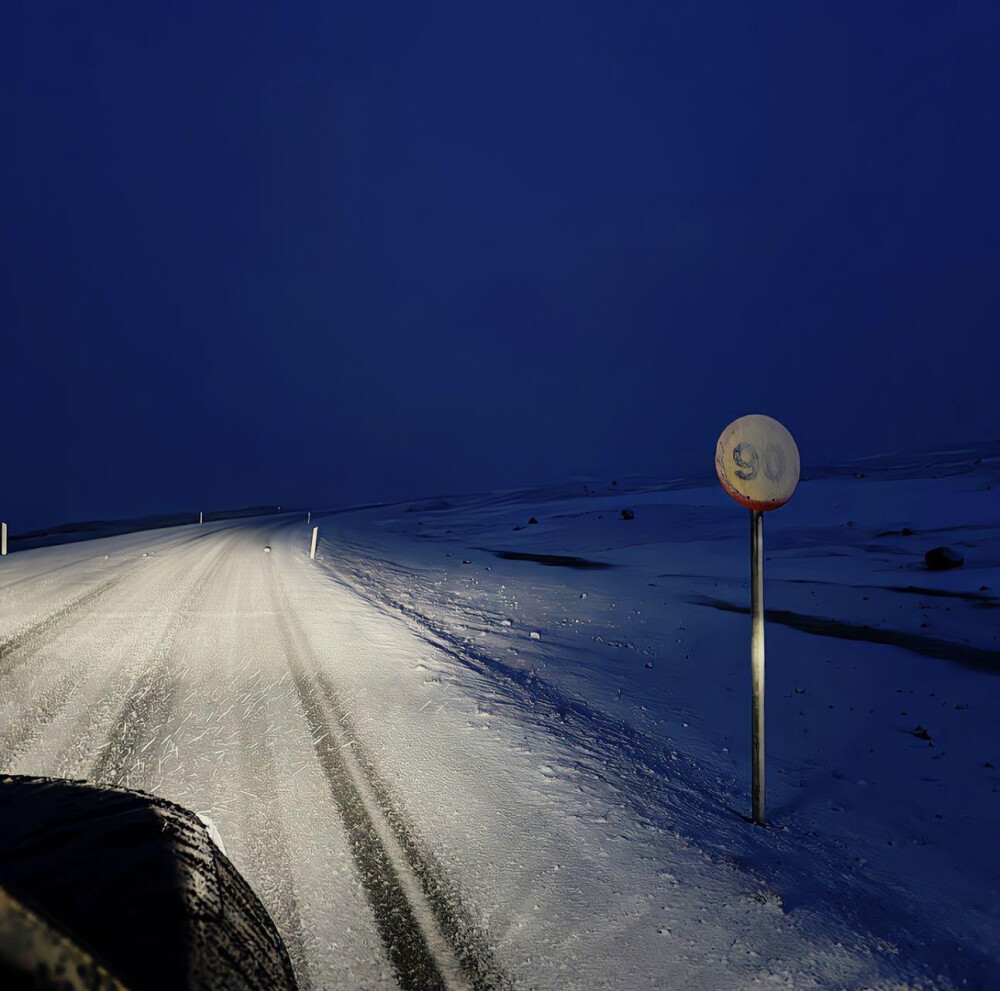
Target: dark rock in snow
point(627, 514)
point(943, 559)
point(905, 532)
point(649, 664)
point(552, 560)
point(465, 560)
point(430, 507)
point(532, 521)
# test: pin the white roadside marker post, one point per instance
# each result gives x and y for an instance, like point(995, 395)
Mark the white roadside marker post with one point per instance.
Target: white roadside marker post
point(3, 539)
point(201, 517)
point(758, 465)
point(309, 517)
point(312, 550)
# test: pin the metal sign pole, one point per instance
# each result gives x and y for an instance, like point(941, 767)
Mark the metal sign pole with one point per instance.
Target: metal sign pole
point(757, 659)
point(758, 466)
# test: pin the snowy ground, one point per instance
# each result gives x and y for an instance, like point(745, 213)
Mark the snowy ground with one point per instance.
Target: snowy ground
point(442, 767)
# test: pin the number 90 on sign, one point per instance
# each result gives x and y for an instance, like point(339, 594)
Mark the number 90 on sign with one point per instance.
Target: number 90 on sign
point(757, 462)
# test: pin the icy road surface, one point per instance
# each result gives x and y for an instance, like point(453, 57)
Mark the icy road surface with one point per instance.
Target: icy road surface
point(414, 810)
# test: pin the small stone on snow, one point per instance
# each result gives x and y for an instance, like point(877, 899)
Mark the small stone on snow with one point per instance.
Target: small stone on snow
point(943, 559)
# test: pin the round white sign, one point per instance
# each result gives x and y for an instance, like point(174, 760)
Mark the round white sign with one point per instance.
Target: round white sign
point(757, 462)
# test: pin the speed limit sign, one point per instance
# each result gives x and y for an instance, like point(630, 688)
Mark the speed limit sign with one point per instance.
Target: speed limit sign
point(758, 465)
point(757, 462)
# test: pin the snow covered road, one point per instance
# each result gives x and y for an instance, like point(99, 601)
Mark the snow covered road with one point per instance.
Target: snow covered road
point(412, 813)
point(182, 670)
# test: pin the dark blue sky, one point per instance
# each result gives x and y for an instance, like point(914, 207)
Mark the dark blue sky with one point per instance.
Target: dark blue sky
point(323, 252)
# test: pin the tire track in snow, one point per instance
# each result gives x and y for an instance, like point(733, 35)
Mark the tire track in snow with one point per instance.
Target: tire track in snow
point(264, 834)
point(415, 964)
point(22, 644)
point(39, 576)
point(45, 577)
point(138, 743)
point(430, 943)
point(31, 722)
point(406, 942)
point(124, 757)
point(469, 943)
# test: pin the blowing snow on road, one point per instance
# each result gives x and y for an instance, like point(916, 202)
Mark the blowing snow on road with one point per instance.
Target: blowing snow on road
point(440, 771)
